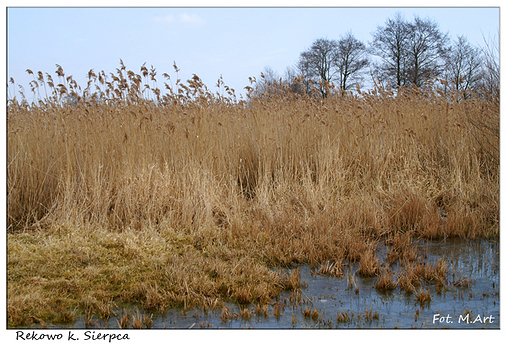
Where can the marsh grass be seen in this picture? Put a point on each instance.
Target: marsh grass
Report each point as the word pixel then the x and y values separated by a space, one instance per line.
pixel 123 320
pixel 369 265
pixel 262 310
pixel 245 314
pixel 385 281
pixel 463 282
pixel 278 309
pixel 307 312
pixel 370 314
pixel 334 269
pixel 345 317
pixel 190 199
pixel 225 316
pixel 423 296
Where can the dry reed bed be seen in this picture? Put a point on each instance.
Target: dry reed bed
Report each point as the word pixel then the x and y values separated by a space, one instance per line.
pixel 195 202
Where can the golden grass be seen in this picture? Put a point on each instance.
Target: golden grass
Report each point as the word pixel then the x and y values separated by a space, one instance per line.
pixel 278 309
pixel 385 281
pixel 413 273
pixel 369 265
pixel 198 198
pixel 463 282
pixel 226 315
pixel 334 269
pixel 311 313
pixel 423 296
pixel 370 314
pixel 262 310
pixel 307 312
pixel 345 317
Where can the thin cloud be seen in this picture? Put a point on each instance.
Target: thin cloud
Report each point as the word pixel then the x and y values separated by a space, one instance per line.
pixel 191 19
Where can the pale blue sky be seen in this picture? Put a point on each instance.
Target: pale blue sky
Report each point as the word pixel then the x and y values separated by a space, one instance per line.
pixel 236 43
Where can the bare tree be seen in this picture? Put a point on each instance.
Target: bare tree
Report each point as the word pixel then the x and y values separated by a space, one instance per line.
pixel 425 48
pixel 486 124
pixel 316 64
pixel 464 64
pixel 491 67
pixel 350 59
pixel 412 52
pixel 305 72
pixel 390 44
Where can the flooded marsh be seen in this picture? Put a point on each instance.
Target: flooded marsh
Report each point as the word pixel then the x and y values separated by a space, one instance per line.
pixel 337 305
pixel 469 299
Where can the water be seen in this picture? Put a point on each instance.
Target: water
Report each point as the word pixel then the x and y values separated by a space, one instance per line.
pixel 455 307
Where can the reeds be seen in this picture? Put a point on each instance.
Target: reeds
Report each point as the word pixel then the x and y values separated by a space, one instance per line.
pixel 369 265
pixel 385 281
pixel 334 269
pixel 423 296
pixel 311 313
pixel 187 198
pixel 345 317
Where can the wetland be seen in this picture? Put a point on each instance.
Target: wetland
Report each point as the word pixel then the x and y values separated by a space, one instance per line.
pixel 469 298
pixel 282 210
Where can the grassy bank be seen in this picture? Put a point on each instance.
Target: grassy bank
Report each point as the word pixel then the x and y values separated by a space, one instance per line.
pixel 203 200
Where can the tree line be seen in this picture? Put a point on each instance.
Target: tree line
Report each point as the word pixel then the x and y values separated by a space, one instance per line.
pixel 401 54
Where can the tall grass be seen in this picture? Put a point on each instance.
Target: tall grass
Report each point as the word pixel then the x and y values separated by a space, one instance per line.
pixel 280 179
pixel 379 163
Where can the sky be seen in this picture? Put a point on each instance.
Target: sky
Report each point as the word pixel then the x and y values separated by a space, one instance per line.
pixel 235 43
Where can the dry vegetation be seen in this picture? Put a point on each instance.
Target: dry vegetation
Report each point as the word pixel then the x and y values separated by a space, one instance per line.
pixel 197 198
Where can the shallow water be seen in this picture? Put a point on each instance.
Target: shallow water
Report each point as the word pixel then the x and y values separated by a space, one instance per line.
pixel 478 261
